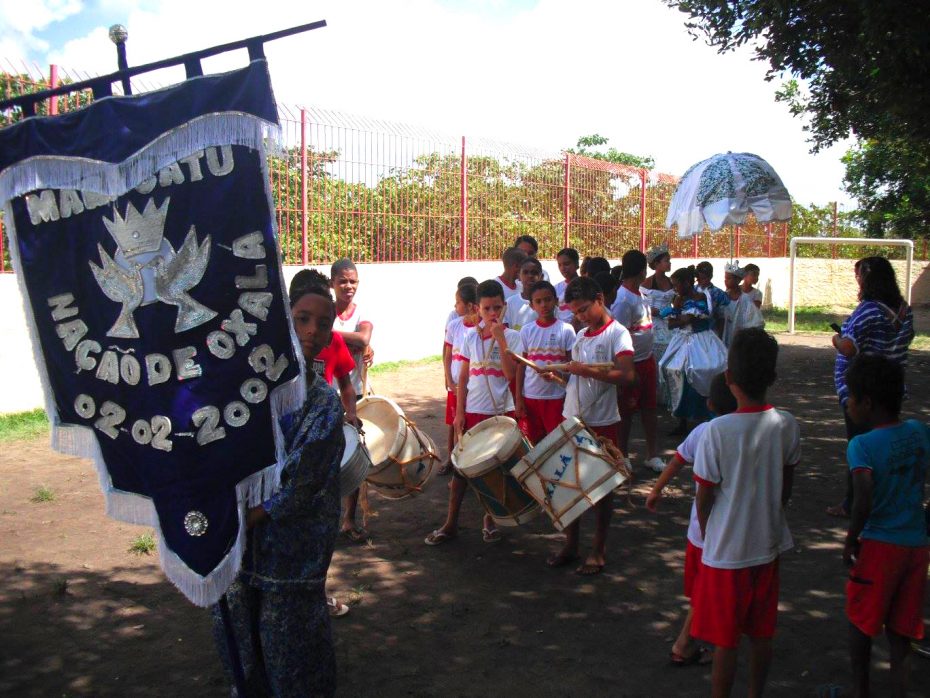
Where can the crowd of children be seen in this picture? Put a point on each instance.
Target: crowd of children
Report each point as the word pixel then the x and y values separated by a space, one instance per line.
pixel 702 352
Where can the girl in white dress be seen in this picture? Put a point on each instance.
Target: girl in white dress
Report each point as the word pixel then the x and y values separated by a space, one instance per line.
pixel 658 290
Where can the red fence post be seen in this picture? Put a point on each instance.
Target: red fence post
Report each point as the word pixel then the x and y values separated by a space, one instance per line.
pixel 2 257
pixel 567 201
pixel 784 240
pixel 739 235
pixel 642 210
pixel 463 214
pixel 305 250
pixel 694 245
pixel 53 83
pixel 768 240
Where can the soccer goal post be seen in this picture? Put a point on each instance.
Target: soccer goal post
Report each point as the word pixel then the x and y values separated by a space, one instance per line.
pixel 908 245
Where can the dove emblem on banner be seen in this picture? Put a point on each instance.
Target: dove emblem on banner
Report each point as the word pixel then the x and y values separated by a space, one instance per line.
pixel 122 286
pixel 146 269
pixel 173 279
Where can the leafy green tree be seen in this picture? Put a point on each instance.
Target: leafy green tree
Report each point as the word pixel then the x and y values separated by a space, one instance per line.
pixel 863 67
pixel 891 180
pixel 589 147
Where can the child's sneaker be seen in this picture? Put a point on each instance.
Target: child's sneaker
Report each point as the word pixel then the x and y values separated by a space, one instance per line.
pixel 656 464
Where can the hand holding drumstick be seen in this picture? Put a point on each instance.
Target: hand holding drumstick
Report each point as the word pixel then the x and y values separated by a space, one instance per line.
pixel 545 372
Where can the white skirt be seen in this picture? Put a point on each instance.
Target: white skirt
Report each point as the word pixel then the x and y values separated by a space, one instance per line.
pixel 692 357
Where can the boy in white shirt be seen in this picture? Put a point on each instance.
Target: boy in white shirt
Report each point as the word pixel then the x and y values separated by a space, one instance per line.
pixel 568 260
pixel 483 391
pixel 634 312
pixel 466 318
pixel 519 312
pixel 509 280
pixel 720 402
pixel 546 340
pixel 591 395
pixel 744 468
pixel 530 246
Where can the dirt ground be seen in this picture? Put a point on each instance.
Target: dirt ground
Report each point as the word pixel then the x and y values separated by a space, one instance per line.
pixel 80 615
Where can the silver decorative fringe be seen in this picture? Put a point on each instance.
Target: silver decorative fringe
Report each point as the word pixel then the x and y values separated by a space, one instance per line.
pixel 229 128
pixel 115 179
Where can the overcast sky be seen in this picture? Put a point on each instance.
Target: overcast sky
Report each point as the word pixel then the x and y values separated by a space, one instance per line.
pixel 539 73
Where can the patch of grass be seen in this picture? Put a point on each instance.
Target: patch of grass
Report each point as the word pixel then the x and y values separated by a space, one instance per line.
pixel 817 319
pixel 42 494
pixel 806 319
pixel 23 425
pixel 389 366
pixel 143 545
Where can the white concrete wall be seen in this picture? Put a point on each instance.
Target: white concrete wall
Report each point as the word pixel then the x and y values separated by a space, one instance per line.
pixel 408 304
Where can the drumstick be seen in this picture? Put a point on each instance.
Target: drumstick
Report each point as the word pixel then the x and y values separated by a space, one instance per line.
pixel 564 367
pixel 536 367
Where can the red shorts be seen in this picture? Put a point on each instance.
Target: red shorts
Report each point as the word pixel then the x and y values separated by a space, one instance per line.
pixel 641 396
pixel 731 603
pixel 451 400
pixel 608 431
pixel 886 589
pixel 542 417
pixel 693 567
pixel 473 418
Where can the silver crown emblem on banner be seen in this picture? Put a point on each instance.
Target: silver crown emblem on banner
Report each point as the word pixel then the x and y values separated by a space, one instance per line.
pixel 146 268
pixel 139 233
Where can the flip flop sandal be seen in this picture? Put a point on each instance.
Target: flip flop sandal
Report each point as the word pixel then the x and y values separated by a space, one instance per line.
pixel 356 535
pixel 490 535
pixel 336 609
pixel 587 570
pixel 557 561
pixel 700 656
pixel 438 537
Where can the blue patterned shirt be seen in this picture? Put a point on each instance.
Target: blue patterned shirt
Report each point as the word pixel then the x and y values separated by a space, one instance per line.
pixel 294 546
pixel 875 329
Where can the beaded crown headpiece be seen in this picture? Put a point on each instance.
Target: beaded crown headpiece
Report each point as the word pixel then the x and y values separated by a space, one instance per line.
pixel 734 268
pixel 656 252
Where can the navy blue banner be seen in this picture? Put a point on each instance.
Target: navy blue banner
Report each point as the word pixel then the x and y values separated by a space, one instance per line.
pixel 158 306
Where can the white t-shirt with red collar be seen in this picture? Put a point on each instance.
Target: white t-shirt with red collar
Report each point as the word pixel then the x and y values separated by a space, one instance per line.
pixel 518 312
pixel 509 290
pixel 632 311
pixel 686 451
pixel 593 400
pixel 488 387
pixel 456 331
pixel 544 345
pixel 742 455
pixel 564 312
pixel 351 323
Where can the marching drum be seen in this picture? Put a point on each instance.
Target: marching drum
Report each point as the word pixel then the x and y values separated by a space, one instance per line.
pixel 569 472
pixel 356 462
pixel 484 456
pixel 403 456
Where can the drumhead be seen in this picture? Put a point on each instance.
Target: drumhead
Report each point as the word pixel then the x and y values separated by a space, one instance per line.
pixel 486 444
pixel 384 426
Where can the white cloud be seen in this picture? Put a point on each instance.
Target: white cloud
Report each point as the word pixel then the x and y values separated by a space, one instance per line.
pixel 21 20
pixel 541 76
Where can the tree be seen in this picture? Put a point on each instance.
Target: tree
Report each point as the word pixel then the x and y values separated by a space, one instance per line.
pixel 857 68
pixel 891 180
pixel 867 64
pixel 586 145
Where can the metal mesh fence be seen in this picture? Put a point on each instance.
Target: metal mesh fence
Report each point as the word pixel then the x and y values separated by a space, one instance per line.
pixel 378 191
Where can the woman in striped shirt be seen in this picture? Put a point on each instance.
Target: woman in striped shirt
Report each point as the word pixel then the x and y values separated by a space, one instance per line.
pixel 882 324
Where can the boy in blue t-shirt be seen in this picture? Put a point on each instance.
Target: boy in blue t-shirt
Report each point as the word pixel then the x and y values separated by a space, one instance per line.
pixel 887 544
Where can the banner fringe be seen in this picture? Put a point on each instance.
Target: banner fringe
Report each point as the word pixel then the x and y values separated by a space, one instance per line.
pixel 229 128
pixel 115 179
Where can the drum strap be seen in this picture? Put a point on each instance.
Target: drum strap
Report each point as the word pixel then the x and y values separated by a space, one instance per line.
pixel 487 381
